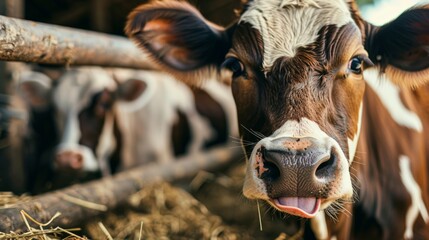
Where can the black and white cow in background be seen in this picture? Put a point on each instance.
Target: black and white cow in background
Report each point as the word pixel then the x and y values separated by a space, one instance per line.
pixel 115 119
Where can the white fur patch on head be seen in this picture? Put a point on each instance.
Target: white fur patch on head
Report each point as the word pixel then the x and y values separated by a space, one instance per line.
pixel 77 86
pixel 286 25
pixel 417 204
pixel 388 93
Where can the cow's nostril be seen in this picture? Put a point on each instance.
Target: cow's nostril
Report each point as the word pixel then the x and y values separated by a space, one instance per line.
pixel 272 173
pixel 326 167
pixel 269 171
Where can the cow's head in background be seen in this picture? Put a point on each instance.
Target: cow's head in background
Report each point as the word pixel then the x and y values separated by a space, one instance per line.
pixel 84 101
pixel 297 69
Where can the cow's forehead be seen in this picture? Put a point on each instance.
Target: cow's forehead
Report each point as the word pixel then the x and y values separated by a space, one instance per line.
pixel 77 87
pixel 286 25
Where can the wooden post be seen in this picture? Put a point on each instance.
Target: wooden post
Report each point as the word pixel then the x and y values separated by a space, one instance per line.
pixel 11 168
pixel 3 80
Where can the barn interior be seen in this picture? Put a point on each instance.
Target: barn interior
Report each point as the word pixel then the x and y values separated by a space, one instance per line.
pixel 208 205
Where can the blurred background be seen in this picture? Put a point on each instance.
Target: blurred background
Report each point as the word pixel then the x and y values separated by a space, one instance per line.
pixel 382 11
pixel 109 15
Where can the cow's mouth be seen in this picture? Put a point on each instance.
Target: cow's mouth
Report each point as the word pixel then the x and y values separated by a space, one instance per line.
pixel 306 207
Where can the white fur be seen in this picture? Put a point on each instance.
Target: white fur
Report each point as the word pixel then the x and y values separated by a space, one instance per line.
pixel 70 142
pixel 145 123
pixel 77 86
pixel 126 74
pixel 150 127
pixel 352 143
pixel 254 187
pixel 73 93
pixel 319 226
pixel 417 204
pixel 106 144
pixel 389 96
pixel 286 25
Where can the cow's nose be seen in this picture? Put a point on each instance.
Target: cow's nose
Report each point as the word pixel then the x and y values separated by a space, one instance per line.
pixel 297 167
pixel 69 160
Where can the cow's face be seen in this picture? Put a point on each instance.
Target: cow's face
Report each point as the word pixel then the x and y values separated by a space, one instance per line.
pixel 84 100
pixel 298 89
pixel 297 81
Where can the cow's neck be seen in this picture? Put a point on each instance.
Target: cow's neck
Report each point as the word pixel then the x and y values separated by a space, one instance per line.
pixel 387 114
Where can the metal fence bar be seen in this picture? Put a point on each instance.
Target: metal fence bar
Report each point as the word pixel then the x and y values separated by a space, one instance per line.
pixel 28 41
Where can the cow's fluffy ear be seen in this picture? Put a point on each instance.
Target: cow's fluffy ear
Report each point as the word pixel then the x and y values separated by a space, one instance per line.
pixel 35 89
pixel 401 48
pixel 178 37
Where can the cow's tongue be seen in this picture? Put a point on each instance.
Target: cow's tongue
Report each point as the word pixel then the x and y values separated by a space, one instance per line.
pixel 299 206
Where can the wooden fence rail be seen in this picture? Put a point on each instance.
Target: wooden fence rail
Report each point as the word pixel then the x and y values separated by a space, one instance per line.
pixel 27 41
pixel 107 193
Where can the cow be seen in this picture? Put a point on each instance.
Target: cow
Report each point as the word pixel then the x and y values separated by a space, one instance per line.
pixel 332 109
pixel 112 120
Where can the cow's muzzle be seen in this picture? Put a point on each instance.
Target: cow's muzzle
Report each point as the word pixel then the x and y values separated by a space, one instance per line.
pixel 298 173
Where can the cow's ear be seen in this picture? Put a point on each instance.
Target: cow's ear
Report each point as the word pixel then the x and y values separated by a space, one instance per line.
pixel 178 37
pixel 130 90
pixel 401 48
pixel 34 88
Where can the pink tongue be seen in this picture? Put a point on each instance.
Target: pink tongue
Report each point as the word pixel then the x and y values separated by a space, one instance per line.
pixel 304 207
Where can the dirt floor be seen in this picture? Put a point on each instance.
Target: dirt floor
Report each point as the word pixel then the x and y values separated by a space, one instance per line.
pixel 210 206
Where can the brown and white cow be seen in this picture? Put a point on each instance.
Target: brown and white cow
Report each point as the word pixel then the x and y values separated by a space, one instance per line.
pixel 324 140
pixel 116 119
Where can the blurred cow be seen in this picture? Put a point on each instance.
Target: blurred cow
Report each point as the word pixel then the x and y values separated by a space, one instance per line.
pixel 117 119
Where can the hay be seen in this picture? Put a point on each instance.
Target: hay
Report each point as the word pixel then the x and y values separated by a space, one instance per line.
pixel 164 212
pixel 42 233
pixel 7 199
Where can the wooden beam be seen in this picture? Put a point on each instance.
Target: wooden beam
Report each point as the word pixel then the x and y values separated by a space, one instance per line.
pixel 85 201
pixel 27 41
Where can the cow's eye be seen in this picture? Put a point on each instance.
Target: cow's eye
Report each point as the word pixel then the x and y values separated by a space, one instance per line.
pixel 235 66
pixel 355 65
